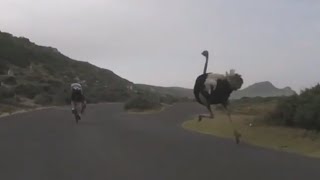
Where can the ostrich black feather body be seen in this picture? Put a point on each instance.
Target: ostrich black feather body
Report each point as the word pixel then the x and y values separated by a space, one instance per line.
pixel 219 95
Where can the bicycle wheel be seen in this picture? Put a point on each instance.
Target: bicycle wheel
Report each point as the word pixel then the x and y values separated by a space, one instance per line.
pixel 76 113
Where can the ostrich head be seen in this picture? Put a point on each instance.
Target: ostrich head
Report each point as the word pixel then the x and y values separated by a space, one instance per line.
pixel 234 79
pixel 205 53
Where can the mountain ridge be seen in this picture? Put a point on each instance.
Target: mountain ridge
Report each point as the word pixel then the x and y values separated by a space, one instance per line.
pixel 262 89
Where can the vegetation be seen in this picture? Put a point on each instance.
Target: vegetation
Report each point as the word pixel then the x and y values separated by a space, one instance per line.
pixel 43 75
pixel 142 102
pixel 298 110
pixel 7 109
pixel 43 99
pixel 6 93
pixel 171 91
pixel 146 100
pixel 254 106
pixel 284 123
pixel 280 138
pixel 10 80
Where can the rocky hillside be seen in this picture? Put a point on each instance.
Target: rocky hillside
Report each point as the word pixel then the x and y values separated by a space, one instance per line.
pixel 262 89
pixel 42 75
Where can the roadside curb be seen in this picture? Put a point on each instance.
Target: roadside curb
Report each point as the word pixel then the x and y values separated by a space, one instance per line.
pixel 25 111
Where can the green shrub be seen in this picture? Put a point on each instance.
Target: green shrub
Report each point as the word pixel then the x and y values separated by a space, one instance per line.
pixel 6 93
pixel 299 110
pixel 168 99
pixel 109 94
pixel 254 100
pixel 8 109
pixel 3 67
pixel 143 102
pixel 307 115
pixel 61 98
pixel 28 90
pixel 10 101
pixel 10 80
pixel 43 99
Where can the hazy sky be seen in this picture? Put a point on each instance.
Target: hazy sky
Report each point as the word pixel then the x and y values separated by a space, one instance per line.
pixel 159 41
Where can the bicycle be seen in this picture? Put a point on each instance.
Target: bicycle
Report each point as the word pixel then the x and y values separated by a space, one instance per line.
pixel 78 110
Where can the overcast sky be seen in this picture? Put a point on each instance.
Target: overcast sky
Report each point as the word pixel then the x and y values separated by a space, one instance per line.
pixel 159 42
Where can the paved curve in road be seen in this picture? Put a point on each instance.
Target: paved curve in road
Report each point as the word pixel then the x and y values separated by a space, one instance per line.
pixel 111 144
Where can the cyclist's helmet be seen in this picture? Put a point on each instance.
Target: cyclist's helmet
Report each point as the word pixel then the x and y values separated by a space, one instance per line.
pixel 76 87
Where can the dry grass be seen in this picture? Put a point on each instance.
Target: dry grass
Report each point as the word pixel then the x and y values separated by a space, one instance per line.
pixel 280 138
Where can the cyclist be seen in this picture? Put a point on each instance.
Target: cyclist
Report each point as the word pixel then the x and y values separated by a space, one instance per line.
pixel 77 97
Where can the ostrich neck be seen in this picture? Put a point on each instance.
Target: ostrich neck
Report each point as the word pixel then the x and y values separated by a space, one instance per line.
pixel 206 66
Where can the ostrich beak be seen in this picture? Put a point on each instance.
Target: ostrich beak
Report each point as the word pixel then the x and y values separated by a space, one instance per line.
pixel 205 53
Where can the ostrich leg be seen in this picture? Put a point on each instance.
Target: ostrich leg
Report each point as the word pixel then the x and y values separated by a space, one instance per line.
pixel 211 115
pixel 236 134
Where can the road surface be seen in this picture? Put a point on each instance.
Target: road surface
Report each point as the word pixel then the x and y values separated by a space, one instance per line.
pixel 111 144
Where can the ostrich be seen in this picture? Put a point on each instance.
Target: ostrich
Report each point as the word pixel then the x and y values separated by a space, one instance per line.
pixel 212 89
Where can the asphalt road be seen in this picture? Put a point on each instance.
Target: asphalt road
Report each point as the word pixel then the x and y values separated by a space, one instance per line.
pixel 111 144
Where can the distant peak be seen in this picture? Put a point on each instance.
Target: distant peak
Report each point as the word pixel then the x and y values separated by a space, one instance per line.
pixel 263 89
pixel 264 83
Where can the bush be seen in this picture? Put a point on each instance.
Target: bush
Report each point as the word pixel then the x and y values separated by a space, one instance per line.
pixel 10 101
pixel 28 90
pixel 8 109
pixel 3 67
pixel 61 98
pixel 254 100
pixel 102 94
pixel 308 115
pixel 143 102
pixel 10 80
pixel 299 110
pixel 285 110
pixel 43 99
pixel 168 99
pixel 6 93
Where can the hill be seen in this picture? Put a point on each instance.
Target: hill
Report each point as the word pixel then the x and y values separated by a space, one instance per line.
pixel 262 89
pixel 42 75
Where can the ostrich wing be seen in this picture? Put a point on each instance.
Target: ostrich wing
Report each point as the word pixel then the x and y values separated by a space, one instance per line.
pixel 211 81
